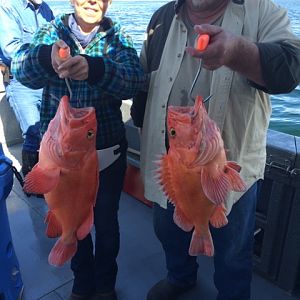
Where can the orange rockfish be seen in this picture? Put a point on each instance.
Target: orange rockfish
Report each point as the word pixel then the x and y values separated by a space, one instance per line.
pixel 67 174
pixel 195 174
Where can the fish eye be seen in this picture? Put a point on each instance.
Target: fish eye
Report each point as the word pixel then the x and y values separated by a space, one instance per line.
pixel 172 132
pixel 90 134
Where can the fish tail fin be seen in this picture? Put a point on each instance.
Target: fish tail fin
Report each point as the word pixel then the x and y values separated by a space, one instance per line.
pixel 201 243
pixel 232 172
pixel 61 253
pixel 218 218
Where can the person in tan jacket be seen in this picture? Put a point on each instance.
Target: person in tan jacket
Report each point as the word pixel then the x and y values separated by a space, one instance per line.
pixel 252 53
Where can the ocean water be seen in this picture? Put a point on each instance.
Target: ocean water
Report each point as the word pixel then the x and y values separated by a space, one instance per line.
pixel 134 15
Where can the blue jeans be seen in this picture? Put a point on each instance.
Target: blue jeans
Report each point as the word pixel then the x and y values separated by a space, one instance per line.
pixel 97 270
pixel 26 104
pixel 233 249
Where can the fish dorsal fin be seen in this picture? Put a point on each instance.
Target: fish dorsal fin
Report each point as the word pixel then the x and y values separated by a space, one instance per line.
pixel 164 178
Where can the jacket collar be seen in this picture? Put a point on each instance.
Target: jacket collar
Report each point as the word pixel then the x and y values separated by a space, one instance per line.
pixel 178 4
pixel 27 3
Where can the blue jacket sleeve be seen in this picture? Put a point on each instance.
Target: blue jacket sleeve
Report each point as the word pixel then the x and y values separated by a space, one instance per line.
pixel 18 25
pixel 31 65
pixel 10 33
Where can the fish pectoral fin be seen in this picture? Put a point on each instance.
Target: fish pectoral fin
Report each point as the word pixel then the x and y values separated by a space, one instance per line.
pixel 62 252
pixel 181 220
pixel 215 188
pixel 201 243
pixel 41 181
pixel 234 165
pixel 237 183
pixel 218 218
pixel 86 226
pixel 54 228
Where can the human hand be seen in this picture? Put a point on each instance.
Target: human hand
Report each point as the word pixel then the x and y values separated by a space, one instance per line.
pixel 67 66
pixel 56 55
pixel 75 67
pixel 3 68
pixel 221 49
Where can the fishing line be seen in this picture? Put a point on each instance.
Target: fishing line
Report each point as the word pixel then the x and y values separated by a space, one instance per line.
pixel 201 44
pixel 69 88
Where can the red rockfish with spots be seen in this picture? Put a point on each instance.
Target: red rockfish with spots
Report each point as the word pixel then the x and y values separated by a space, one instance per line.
pixel 67 174
pixel 195 174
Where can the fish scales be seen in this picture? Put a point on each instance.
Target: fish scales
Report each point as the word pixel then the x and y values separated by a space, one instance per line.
pixel 67 173
pixel 195 174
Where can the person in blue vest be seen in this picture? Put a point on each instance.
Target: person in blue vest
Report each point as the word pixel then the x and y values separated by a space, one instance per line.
pixel 252 53
pixel 19 20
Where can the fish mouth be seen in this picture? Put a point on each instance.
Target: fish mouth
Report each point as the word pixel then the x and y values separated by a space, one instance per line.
pixel 76 117
pixel 186 113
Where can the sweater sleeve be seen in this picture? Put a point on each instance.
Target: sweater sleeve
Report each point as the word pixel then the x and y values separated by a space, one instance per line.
pixel 137 110
pixel 280 63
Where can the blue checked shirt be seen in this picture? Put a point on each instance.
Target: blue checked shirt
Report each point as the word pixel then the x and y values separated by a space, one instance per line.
pixel 19 20
pixel 114 74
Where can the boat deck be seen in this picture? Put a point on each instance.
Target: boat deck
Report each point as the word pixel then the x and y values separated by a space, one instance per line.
pixel 141 259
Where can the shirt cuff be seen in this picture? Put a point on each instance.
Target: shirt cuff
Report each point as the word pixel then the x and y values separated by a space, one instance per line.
pixel 44 57
pixel 96 68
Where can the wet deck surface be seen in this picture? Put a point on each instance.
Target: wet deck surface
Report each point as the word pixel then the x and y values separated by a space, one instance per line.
pixel 141 259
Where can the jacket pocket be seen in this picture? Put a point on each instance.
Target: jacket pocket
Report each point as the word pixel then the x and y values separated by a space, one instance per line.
pixel 28 33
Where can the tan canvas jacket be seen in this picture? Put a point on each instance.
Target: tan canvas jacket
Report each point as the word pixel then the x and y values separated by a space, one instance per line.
pixel 241 111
